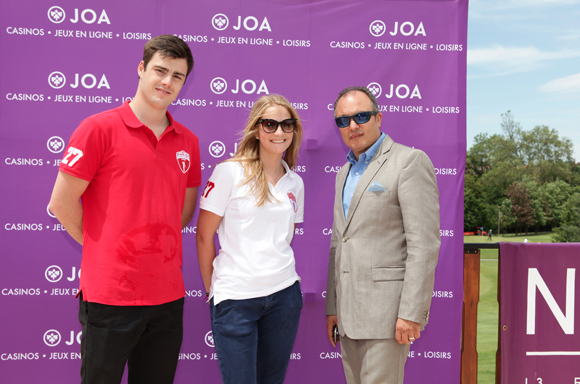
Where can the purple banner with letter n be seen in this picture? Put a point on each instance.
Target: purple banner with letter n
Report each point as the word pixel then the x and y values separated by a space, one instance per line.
pixel 540 342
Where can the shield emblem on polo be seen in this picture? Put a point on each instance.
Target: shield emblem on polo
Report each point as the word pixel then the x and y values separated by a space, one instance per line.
pixel 183 161
pixel 293 201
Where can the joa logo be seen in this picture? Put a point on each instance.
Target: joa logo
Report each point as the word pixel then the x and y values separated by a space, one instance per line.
pixel 217 148
pixel 219 85
pixel 209 339
pixel 220 21
pixel 51 337
pixel 401 91
pixel 57 80
pixel 249 23
pixel 88 16
pixel 55 144
pixel 53 273
pixel 378 28
pixel 376 89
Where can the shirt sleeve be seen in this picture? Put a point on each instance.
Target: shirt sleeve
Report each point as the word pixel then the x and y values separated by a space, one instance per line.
pixel 216 194
pixel 85 151
pixel 299 218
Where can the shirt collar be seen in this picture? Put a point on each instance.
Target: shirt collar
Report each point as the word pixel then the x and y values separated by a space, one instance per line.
pixel 369 153
pixel 285 165
pixel 133 122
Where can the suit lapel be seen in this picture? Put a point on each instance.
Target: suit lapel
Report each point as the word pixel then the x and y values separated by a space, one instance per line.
pixel 341 179
pixel 368 176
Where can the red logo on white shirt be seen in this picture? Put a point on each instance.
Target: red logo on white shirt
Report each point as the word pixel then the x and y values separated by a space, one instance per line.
pixel 208 187
pixel 183 161
pixel 293 201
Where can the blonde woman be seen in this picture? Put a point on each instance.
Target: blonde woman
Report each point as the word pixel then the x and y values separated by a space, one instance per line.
pixel 255 200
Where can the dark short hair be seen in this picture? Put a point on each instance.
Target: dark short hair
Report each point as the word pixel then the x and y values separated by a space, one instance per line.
pixel 364 90
pixel 168 46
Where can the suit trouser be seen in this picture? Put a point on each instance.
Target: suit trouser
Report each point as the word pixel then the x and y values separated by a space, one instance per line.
pixel 146 338
pixel 373 361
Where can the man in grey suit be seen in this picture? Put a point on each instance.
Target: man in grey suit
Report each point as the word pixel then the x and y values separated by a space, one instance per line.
pixel 384 247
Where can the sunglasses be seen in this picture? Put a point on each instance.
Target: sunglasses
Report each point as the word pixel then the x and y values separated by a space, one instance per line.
pixel 271 126
pixel 359 118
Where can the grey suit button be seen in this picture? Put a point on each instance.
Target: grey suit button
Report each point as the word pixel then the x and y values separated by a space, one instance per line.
pixel 344 239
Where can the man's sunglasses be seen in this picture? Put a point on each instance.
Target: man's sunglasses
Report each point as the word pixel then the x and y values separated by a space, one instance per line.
pixel 270 125
pixel 359 118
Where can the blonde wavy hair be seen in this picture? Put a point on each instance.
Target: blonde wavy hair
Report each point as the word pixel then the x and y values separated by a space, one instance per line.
pixel 248 153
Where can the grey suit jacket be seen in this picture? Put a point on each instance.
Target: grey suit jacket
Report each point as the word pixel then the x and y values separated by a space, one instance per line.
pixel 383 255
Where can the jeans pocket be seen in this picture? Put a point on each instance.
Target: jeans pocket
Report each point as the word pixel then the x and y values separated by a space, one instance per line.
pixel 300 296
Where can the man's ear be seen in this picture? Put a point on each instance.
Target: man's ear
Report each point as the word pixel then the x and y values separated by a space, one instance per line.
pixel 141 69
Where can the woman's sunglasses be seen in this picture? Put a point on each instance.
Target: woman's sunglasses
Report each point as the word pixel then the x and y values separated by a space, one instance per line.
pixel 270 125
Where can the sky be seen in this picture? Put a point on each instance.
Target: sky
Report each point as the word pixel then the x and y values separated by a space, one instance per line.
pixel 524 56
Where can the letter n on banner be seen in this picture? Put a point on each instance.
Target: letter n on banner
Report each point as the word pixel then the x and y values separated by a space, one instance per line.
pixel 538 313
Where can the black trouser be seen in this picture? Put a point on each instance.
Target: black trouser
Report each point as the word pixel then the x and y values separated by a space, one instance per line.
pixel 146 338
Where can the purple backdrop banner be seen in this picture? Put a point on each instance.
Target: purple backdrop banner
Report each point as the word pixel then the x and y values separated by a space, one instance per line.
pixel 540 342
pixel 63 61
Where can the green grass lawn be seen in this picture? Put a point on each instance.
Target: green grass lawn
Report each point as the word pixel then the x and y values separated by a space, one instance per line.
pixel 488 309
pixel 487 321
pixel 492 253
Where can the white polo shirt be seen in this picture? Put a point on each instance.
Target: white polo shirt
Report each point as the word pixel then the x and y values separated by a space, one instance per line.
pixel 255 258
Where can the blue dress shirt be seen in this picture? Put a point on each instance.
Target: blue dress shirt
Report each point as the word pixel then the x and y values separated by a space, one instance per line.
pixel 356 171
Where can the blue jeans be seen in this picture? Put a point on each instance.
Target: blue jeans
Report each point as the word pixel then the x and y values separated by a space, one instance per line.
pixel 254 337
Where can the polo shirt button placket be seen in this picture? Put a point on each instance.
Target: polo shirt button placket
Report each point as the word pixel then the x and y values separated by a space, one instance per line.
pixel 152 140
pixel 158 151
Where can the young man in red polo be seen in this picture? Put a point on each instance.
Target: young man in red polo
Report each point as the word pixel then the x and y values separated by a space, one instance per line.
pixel 137 173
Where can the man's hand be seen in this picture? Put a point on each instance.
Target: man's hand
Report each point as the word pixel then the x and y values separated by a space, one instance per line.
pixel 331 321
pixel 406 331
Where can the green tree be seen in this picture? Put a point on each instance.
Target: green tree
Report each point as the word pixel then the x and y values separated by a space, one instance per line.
pixel 538 201
pixel 542 144
pixel 496 181
pixel 506 217
pixel 513 135
pixel 484 152
pixel 477 211
pixel 566 234
pixel 569 230
pixel 556 194
pixel 474 212
pixel 489 151
pixel 575 175
pixel 549 171
pixel 539 160
pixel 571 211
pixel 522 210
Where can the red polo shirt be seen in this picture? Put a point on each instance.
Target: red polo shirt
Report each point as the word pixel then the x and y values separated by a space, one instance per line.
pixel 132 206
